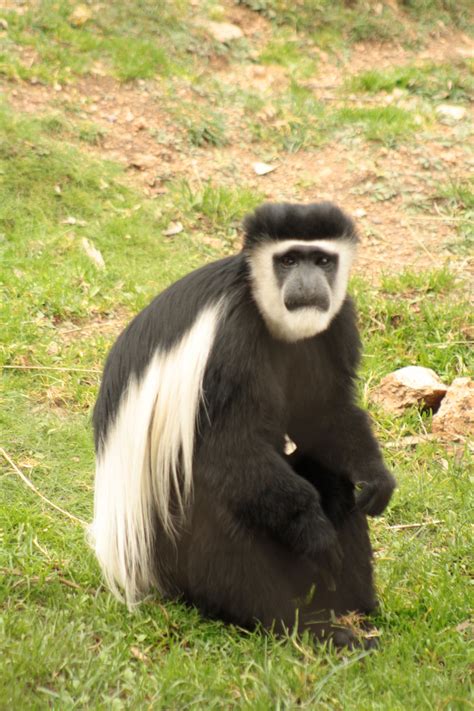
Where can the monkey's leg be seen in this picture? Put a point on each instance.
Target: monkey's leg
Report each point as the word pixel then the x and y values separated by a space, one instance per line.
pixel 354 581
pixel 231 573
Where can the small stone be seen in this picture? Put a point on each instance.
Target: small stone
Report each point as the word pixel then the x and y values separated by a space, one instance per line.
pixel 263 168
pixel 93 253
pixel 222 31
pixel 407 387
pixel 450 113
pixel 80 15
pixel 174 228
pixel 397 93
pixel 53 348
pixel 360 212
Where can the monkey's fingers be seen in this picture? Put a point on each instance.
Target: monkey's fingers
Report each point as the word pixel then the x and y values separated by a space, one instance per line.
pixel 374 496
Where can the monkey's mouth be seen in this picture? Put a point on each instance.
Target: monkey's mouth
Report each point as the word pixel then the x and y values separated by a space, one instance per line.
pixel 319 302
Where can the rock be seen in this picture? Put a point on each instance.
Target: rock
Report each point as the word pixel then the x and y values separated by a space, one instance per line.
pixel 174 228
pixel 263 168
pixel 53 348
pixel 222 31
pixel 93 253
pixel 409 386
pixel 451 113
pixel 455 417
pixel 80 15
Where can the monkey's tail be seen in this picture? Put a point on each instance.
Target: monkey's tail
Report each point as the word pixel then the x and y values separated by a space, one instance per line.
pixel 146 460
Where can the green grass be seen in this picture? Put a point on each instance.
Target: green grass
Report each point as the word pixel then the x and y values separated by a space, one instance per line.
pixel 386 124
pixel 327 20
pixel 206 128
pixel 299 120
pixel 65 642
pixel 455 200
pixel 441 82
pixel 85 131
pixel 220 205
pixel 336 23
pixel 296 54
pixel 457 12
pixel 418 319
pixel 130 43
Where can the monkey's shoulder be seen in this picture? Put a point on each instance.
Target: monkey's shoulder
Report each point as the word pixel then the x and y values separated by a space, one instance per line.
pixel 174 311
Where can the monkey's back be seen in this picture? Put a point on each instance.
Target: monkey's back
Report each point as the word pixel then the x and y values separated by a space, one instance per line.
pixel 158 327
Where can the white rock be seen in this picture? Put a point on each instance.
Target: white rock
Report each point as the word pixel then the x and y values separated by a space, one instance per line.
pixel 263 168
pixel 93 253
pixel 409 386
pixel 222 31
pixel 174 228
pixel 453 113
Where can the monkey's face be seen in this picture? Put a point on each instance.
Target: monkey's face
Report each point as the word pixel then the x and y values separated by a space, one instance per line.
pixel 300 285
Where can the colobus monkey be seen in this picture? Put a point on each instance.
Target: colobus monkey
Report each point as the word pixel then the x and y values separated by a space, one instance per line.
pixel 194 494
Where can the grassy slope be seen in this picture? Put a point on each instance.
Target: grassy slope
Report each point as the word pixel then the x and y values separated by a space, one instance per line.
pixel 64 642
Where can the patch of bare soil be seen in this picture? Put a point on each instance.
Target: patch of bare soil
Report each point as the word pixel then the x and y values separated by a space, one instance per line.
pixel 445 47
pixel 377 185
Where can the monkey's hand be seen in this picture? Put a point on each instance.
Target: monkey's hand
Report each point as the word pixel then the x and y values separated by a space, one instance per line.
pixel 312 534
pixel 373 496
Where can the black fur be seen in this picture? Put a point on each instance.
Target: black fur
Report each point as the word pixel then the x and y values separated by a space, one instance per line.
pixel 263 530
pixel 287 221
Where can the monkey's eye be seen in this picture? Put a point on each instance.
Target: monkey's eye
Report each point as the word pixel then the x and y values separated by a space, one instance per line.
pixel 288 260
pixel 322 261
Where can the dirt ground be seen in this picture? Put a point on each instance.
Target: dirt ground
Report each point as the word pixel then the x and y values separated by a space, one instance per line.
pixel 376 184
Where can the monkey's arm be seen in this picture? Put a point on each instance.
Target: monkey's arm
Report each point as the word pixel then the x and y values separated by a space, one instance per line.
pixel 344 443
pixel 262 492
pixel 338 435
pixel 326 423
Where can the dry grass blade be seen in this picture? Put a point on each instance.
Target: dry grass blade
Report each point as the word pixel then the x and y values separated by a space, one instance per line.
pixel 33 488
pixel 36 578
pixel 403 526
pixel 52 367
